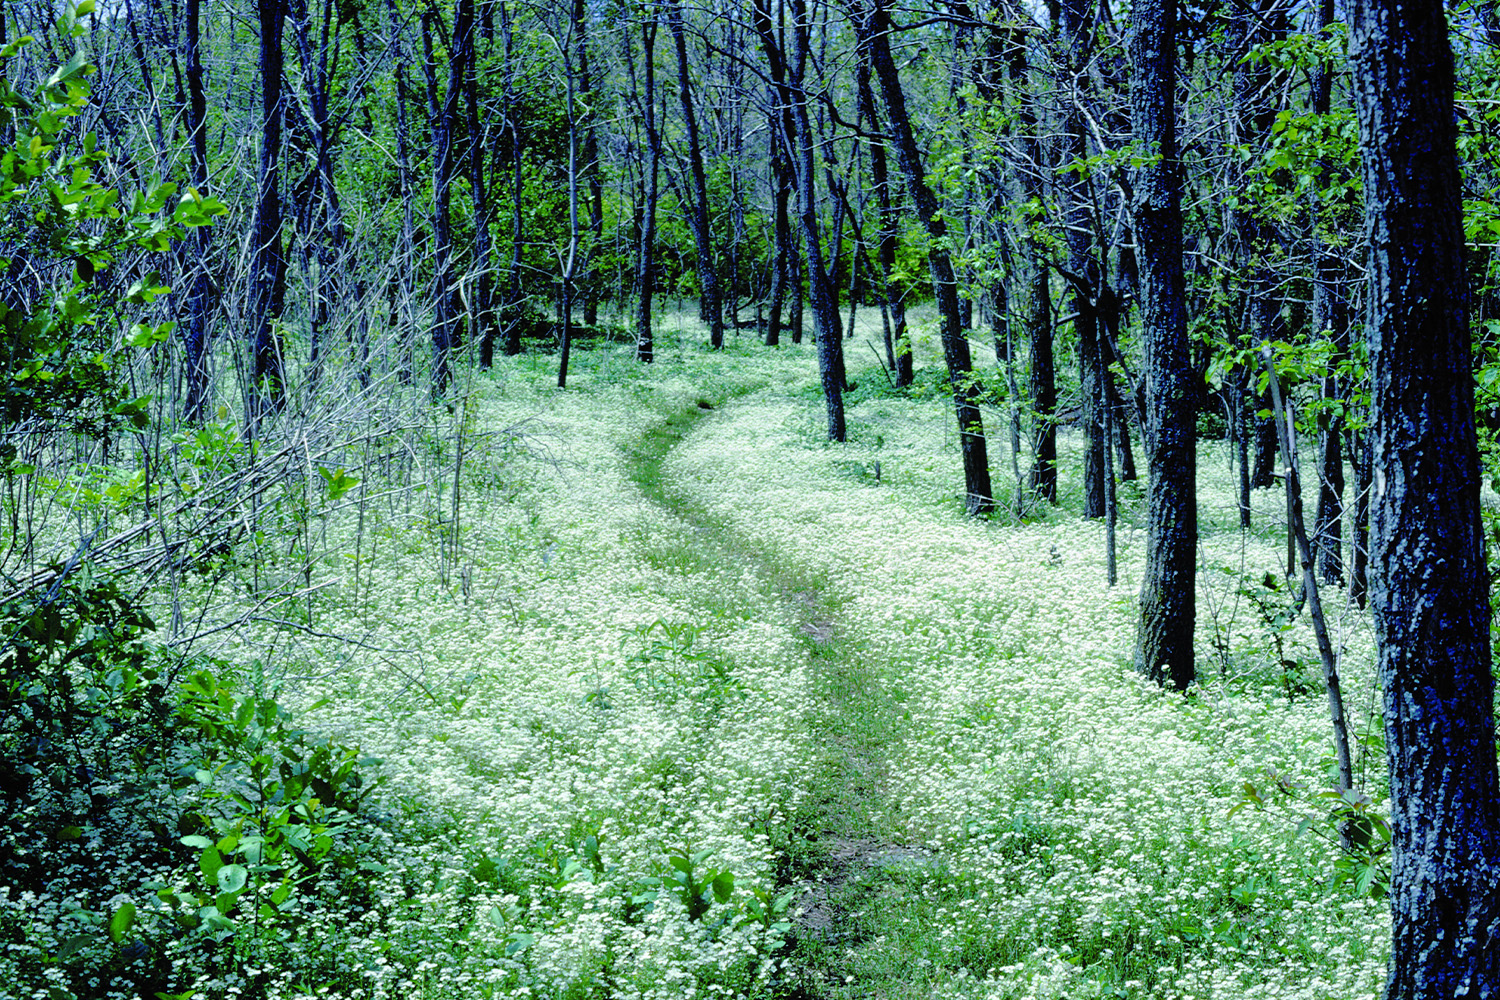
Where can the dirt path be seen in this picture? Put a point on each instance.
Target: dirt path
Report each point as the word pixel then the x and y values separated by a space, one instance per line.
pixel 833 863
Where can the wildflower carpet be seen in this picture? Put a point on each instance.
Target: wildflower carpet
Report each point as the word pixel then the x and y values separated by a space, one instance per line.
pixel 673 699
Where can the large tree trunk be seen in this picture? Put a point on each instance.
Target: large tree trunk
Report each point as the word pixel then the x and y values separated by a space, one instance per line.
pixel 874 27
pixel 267 390
pixel 1430 585
pixel 783 247
pixel 709 306
pixel 1169 586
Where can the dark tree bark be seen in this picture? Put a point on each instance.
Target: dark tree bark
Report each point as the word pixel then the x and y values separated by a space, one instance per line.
pixel 321 131
pixel 267 292
pixel 513 308
pixel 447 311
pixel 645 273
pixel 1330 319
pixel 484 319
pixel 1430 585
pixel 873 26
pixel 709 307
pixel 796 127
pixel 589 154
pixel 402 315
pixel 1042 479
pixel 783 246
pixel 1085 274
pixel 1169 586
pixel 899 346
pixel 200 299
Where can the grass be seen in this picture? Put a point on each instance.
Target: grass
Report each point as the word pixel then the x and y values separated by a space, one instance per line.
pixel 668 639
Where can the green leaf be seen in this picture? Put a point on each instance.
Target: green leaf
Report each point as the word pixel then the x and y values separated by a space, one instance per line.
pixel 210 862
pixel 120 923
pixel 232 878
pixel 73 67
pixel 73 945
pixel 723 886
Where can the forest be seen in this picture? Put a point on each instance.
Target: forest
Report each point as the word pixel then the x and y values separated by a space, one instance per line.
pixel 777 499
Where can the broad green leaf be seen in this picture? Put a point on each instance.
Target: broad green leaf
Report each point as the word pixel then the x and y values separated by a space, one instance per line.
pixel 120 923
pixel 232 878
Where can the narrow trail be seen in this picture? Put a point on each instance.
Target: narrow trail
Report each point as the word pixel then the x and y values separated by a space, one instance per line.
pixel 833 860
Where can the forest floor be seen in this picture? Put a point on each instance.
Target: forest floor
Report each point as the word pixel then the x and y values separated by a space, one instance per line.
pixel 676 699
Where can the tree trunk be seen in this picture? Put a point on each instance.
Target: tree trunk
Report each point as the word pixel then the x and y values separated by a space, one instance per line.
pixel 709 305
pixel 1083 264
pixel 1169 586
pixel 590 167
pixel 886 240
pixel 1430 585
pixel 645 273
pixel 783 246
pixel 446 310
pixel 200 299
pixel 513 310
pixel 1330 319
pixel 796 128
pixel 267 293
pixel 321 128
pixel 1043 480
pixel 873 27
pixel 484 320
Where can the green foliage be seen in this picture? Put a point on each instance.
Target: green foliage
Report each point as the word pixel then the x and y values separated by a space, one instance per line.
pixel 1345 819
pixel 672 660
pixel 96 746
pixel 59 362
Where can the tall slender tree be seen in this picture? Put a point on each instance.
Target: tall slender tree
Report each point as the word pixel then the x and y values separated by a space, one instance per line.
pixel 710 306
pixel 1164 650
pixel 267 390
pixel 200 299
pixel 873 25
pixel 645 274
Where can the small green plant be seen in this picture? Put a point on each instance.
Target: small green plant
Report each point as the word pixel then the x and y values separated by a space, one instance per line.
pixel 698 886
pixel 276 800
pixel 1278 613
pixel 672 658
pixel 1339 817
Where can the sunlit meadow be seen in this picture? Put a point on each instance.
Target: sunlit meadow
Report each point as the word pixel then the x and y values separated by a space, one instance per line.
pixel 753 715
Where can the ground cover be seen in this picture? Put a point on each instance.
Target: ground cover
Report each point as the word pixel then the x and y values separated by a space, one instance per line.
pixel 674 699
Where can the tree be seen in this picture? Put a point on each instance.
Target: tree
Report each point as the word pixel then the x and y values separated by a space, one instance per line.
pixel 788 76
pixel 1429 582
pixel 874 26
pixel 443 114
pixel 1164 651
pixel 267 390
pixel 711 309
pixel 200 298
pixel 645 274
